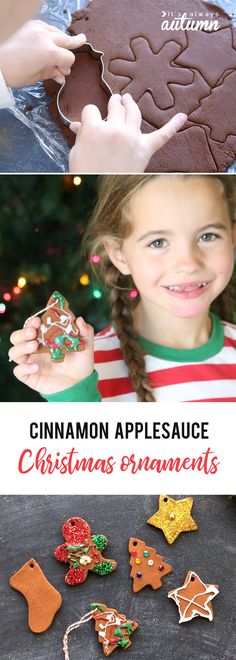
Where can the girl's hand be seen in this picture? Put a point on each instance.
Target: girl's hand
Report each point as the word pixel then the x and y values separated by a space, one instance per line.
pixel 117 144
pixel 39 371
pixel 36 52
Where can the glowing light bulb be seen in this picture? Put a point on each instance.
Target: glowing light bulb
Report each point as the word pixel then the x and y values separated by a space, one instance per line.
pixel 2 308
pixel 7 297
pixel 21 282
pixel 97 293
pixel 134 293
pixel 84 279
pixel 95 259
pixel 77 180
pixel 16 290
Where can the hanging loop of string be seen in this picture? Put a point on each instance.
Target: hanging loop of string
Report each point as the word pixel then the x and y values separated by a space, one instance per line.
pixel 72 627
pixel 40 312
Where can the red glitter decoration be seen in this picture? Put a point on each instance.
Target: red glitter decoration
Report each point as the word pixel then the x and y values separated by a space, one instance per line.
pixel 76 530
pixel 75 576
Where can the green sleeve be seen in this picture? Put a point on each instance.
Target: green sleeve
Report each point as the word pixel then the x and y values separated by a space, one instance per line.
pixel 85 391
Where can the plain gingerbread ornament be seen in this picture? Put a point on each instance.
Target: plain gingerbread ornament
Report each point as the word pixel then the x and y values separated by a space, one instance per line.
pixel 147 567
pixel 43 600
pixel 173 517
pixel 82 551
pixel 194 598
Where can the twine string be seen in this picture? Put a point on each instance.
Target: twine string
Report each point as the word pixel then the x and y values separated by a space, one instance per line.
pixel 40 312
pixel 72 627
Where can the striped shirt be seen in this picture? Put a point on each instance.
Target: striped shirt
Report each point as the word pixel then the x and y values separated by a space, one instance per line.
pixel 206 373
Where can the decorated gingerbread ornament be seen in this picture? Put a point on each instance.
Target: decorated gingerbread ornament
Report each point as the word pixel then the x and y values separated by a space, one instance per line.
pixel 82 551
pixel 113 628
pixel 173 517
pixel 43 600
pixel 58 333
pixel 194 598
pixel 147 567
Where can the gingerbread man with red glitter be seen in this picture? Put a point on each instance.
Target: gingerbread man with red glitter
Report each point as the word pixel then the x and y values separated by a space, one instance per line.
pixel 82 551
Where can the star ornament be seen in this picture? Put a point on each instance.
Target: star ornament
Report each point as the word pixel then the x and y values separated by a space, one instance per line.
pixel 173 517
pixel 194 598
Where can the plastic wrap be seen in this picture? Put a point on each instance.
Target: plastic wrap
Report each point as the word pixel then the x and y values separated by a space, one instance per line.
pixel 32 102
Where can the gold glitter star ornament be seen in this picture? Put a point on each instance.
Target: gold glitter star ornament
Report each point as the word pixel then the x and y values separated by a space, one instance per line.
pixel 173 517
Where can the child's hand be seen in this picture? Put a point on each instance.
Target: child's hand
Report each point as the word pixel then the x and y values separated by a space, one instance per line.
pixel 117 144
pixel 36 52
pixel 39 371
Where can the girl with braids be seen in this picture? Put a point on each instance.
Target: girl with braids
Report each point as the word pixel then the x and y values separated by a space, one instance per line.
pixel 164 248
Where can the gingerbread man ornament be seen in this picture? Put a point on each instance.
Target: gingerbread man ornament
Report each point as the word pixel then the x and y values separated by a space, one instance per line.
pixel 82 551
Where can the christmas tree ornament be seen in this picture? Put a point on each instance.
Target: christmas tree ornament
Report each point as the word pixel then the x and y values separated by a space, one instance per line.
pixel 82 551
pixel 147 567
pixel 173 517
pixel 194 598
pixel 113 628
pixel 58 332
pixel 43 600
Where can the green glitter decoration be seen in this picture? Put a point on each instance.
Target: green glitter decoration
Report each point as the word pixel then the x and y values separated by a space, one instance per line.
pixel 104 568
pixel 56 353
pixel 100 541
pixel 123 642
pixel 59 298
pixel 118 632
pixel 97 606
pixel 127 625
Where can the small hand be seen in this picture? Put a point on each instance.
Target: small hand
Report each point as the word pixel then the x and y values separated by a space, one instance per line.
pixel 39 371
pixel 36 52
pixel 117 144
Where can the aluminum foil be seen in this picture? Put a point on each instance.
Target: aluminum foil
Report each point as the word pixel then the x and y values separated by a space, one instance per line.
pixel 32 102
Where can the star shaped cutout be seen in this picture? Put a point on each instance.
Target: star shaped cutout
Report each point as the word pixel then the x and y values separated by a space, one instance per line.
pixel 142 71
pixel 173 517
pixel 194 598
pixel 215 48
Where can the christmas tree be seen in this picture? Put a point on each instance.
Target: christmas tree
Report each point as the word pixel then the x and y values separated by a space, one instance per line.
pixel 113 628
pixel 147 567
pixel 43 219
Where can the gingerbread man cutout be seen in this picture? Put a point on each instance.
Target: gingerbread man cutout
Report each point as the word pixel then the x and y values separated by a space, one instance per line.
pixel 82 551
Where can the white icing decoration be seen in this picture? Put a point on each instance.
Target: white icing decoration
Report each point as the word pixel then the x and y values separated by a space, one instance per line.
pixel 112 620
pixel 212 590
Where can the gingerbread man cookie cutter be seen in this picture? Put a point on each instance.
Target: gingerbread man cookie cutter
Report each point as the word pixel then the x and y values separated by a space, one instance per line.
pixel 95 55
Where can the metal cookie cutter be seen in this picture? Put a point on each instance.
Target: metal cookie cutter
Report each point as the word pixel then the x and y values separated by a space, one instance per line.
pixel 96 55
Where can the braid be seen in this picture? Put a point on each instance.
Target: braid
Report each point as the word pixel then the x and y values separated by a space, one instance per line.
pixel 121 308
pixel 224 305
